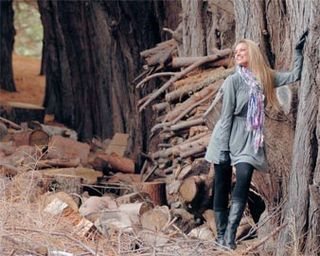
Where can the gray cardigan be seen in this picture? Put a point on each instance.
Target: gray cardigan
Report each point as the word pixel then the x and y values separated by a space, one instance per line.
pixel 230 132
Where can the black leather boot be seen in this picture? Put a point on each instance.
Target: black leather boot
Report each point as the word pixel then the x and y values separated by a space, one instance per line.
pixel 235 215
pixel 221 219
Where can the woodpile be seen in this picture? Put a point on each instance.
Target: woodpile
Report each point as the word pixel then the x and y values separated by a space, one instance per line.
pixel 96 189
pixel 187 105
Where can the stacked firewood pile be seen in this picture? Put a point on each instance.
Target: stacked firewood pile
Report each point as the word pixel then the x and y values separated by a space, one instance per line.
pixel 187 106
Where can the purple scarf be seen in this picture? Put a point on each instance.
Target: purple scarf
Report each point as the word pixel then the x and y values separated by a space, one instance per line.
pixel 255 113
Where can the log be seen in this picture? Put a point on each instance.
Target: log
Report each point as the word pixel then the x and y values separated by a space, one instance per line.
pixel 113 161
pixel 92 207
pixel 85 175
pixel 21 112
pixel 32 138
pixel 54 130
pixel 181 62
pixel 60 162
pixel 190 187
pixel 202 232
pixel 134 210
pixel 185 220
pixel 160 106
pixel 186 124
pixel 156 219
pixel 156 190
pixel 61 147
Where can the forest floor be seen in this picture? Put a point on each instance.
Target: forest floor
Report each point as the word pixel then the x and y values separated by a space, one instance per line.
pixel 29 84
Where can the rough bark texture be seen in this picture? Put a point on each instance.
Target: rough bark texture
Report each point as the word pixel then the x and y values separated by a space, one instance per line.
pixel 7 33
pixel 92 58
pixel 279 128
pixel 206 25
pixel 301 209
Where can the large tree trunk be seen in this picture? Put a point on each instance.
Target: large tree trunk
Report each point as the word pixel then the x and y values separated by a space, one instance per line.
pixel 7 33
pixel 93 55
pixel 301 212
pixel 293 176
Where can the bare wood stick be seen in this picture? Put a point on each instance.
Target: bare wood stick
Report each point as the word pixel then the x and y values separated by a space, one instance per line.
pixel 179 75
pixel 193 151
pixel 186 124
pixel 12 124
pixel 153 76
pixel 179 62
pixel 160 106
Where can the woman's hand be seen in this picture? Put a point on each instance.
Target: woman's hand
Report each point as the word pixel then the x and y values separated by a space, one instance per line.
pixel 302 40
pixel 224 157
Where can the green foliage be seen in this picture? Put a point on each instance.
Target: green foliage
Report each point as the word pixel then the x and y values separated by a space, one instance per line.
pixel 29 30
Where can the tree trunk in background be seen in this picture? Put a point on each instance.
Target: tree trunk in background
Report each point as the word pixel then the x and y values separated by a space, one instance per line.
pixel 206 25
pixel 7 33
pixel 193 32
pixel 93 55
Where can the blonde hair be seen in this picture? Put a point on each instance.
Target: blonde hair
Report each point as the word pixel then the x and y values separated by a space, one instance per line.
pixel 261 69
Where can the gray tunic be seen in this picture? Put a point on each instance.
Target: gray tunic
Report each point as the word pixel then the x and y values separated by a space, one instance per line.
pixel 230 132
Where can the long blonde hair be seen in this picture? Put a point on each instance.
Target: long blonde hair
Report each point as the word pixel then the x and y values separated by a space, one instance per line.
pixel 261 69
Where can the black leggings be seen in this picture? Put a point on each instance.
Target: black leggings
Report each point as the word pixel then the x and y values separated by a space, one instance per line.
pixel 222 184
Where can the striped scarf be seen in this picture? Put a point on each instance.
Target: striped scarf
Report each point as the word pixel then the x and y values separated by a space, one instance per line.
pixel 255 112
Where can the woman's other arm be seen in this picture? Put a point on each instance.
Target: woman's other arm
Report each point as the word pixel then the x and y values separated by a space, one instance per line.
pixel 283 78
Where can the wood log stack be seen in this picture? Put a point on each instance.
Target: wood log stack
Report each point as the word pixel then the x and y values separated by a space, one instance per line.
pixel 187 106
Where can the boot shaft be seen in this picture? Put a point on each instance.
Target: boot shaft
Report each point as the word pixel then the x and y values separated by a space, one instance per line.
pixel 235 215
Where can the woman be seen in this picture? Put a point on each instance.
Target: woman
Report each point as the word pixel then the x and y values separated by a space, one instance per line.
pixel 237 138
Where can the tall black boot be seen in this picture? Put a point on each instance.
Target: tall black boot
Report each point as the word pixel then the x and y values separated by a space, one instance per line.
pixel 221 219
pixel 235 215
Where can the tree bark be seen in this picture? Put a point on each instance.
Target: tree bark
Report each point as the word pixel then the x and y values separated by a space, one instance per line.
pixel 89 70
pixel 301 207
pixel 7 33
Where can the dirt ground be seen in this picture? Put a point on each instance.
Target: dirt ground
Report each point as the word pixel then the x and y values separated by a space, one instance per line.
pixel 29 84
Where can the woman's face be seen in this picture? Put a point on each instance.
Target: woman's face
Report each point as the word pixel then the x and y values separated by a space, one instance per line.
pixel 241 55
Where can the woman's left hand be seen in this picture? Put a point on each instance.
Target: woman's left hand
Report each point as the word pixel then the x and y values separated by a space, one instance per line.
pixel 302 40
